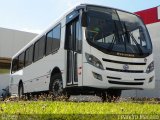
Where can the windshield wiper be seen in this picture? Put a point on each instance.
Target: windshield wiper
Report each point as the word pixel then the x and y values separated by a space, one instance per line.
pixel 114 37
pixel 129 34
pixel 112 44
pixel 135 41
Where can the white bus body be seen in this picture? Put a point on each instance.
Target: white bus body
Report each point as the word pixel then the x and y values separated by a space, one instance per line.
pixel 84 60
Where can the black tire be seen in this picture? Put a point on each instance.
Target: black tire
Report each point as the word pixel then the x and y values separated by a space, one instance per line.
pixel 20 90
pixel 113 95
pixel 66 95
pixel 56 85
pixel 103 97
pixel 28 96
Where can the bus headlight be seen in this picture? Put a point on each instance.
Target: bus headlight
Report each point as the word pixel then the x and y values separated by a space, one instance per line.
pixel 94 61
pixel 150 67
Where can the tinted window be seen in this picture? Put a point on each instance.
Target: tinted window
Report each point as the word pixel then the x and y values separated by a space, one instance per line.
pixel 14 64
pixel 39 49
pixel 30 59
pixel 56 38
pixel 36 45
pixel 29 56
pixel 113 31
pixel 78 42
pixel 21 61
pixel 49 42
pixel 53 40
pixel 73 36
pixel 69 37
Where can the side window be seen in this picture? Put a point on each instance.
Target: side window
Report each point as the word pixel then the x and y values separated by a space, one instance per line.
pixel 26 57
pixel 78 42
pixel 69 37
pixel 74 36
pixel 29 56
pixel 53 40
pixel 36 45
pixel 49 42
pixel 14 64
pixel 39 49
pixel 21 61
pixel 56 38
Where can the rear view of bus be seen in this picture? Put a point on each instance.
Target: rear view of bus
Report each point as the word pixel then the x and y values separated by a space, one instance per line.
pixel 118 51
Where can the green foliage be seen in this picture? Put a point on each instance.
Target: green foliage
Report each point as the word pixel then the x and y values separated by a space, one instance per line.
pixel 73 110
pixel 3 71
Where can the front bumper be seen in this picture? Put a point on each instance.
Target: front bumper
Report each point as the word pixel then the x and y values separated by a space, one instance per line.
pixel 119 80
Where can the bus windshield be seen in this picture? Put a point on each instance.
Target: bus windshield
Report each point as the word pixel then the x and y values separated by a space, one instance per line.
pixel 117 31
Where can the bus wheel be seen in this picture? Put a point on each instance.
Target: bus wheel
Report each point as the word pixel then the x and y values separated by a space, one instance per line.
pixel 20 90
pixel 66 95
pixel 103 96
pixel 56 86
pixel 113 95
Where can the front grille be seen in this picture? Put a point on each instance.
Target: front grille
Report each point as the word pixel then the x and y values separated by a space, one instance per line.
pixel 128 71
pixel 122 62
pixel 125 83
pixel 141 79
pixel 113 78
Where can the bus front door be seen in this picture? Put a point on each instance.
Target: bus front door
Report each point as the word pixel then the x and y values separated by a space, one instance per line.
pixel 74 55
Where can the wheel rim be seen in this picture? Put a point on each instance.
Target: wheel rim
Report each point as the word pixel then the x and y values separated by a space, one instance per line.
pixel 57 88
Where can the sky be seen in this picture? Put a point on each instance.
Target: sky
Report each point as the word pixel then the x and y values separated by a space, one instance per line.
pixel 36 15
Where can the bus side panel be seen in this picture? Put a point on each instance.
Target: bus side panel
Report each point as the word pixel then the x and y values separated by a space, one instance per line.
pixel 37 76
pixel 13 87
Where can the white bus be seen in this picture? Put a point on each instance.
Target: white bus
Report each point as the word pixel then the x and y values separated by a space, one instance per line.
pixel 91 50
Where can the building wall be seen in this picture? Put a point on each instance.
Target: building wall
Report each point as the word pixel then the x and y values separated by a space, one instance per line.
pixel 159 12
pixel 150 16
pixel 4 79
pixel 11 41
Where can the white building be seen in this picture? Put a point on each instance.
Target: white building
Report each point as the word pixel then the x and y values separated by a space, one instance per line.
pixel 11 41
